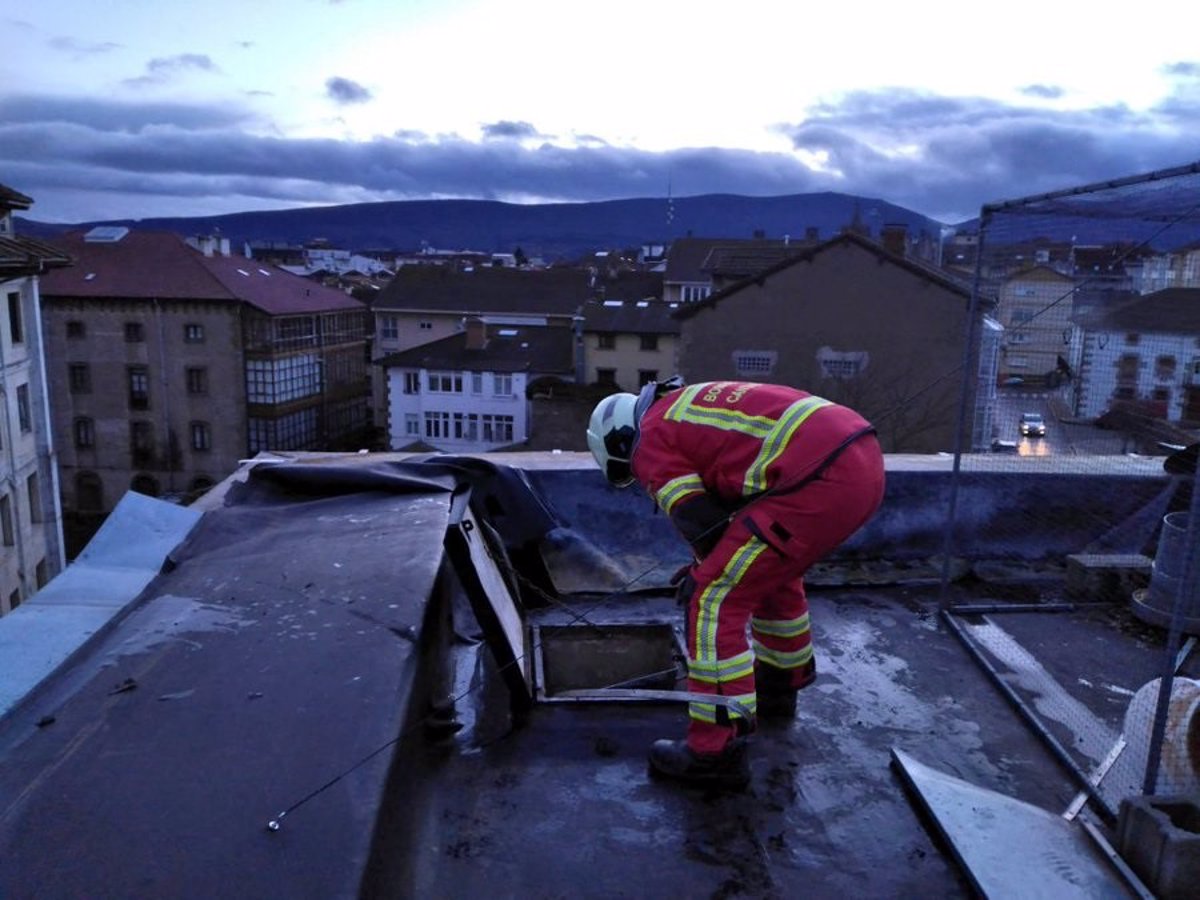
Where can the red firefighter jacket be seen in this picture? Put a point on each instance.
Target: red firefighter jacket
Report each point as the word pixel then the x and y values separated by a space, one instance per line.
pixel 706 449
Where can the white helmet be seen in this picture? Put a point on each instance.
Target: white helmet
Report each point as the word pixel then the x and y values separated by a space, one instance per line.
pixel 610 436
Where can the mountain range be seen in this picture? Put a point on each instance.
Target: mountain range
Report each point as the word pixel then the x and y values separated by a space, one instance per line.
pixel 552 231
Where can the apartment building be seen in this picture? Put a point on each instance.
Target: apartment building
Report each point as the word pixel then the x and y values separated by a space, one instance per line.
pixel 171 360
pixel 31 542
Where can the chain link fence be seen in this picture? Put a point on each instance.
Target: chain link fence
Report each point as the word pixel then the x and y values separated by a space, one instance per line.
pixel 1070 551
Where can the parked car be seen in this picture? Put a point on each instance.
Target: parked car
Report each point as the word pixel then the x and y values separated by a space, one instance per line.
pixel 1032 425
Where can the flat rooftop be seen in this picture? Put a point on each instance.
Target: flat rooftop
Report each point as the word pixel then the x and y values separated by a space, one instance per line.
pixel 310 648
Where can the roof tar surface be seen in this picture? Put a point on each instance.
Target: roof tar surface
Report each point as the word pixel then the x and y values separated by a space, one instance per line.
pixel 303 653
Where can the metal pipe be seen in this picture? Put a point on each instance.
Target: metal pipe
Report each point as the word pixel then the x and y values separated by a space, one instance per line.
pixel 1030 718
pixel 988 608
pixel 970 388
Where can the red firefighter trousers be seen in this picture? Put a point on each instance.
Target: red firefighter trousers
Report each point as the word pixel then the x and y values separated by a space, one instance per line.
pixel 754 580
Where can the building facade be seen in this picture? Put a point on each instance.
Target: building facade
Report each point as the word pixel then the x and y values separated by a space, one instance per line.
pixel 170 362
pixel 470 392
pixel 856 324
pixel 31 537
pixel 1146 353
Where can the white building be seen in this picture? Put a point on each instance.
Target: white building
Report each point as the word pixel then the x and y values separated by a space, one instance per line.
pixel 1144 351
pixel 31 540
pixel 468 393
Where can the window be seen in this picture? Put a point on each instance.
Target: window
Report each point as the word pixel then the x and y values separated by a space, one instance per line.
pixel 754 362
pixel 426 326
pixel 14 599
pixel 76 330
pixel 141 442
pixel 694 292
pixel 79 377
pixel 389 327
pixel 412 382
pixel 645 376
pixel 472 430
pixel 193 333
pixel 649 341
pixel 201 436
pixel 85 433
pixel 135 332
pixel 144 484
pixel 1164 367
pixel 502 385
pixel 1018 337
pixel 89 492
pixel 139 387
pixel 498 429
pixel 283 380
pixel 842 363
pixel 1132 338
pixel 6 521
pixel 1022 314
pixel 33 490
pixel 445 382
pixel 476 382
pixel 606 342
pixel 23 416
pixel 16 331
pixel 606 376
pixel 41 574
pixel 412 425
pixel 437 424
pixel 197 380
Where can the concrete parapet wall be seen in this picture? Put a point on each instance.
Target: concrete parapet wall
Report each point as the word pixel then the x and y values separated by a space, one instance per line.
pixel 1044 512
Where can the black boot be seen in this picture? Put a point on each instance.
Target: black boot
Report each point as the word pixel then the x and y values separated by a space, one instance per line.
pixel 727 769
pixel 776 689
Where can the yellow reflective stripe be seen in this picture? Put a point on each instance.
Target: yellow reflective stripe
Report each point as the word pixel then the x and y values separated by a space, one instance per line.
pixel 728 420
pixel 683 401
pixel 781 659
pixel 676 489
pixel 781 627
pixel 709 602
pixel 723 669
pixel 707 712
pixel 776 442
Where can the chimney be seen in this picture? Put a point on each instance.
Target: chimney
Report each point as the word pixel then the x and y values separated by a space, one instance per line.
pixel 895 239
pixel 580 362
pixel 476 333
pixel 225 246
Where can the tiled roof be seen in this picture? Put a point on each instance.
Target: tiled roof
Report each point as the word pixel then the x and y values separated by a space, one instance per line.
pixel 25 256
pixel 1169 311
pixel 696 259
pixel 630 317
pixel 917 267
pixel 540 349
pixel 487 290
pixel 159 265
pixel 630 285
pixel 11 199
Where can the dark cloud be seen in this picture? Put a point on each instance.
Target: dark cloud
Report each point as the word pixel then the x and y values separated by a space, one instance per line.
pixel 77 47
pixel 963 152
pixel 505 130
pixel 941 156
pixel 1185 69
pixel 110 115
pixel 166 68
pixel 344 91
pixel 1045 91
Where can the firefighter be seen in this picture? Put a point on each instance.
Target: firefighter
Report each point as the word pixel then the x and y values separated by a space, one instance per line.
pixel 762 480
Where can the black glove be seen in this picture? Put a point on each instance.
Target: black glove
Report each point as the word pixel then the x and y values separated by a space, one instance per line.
pixel 701 519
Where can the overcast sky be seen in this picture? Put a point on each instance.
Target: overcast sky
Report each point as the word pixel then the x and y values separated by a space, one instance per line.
pixel 134 108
